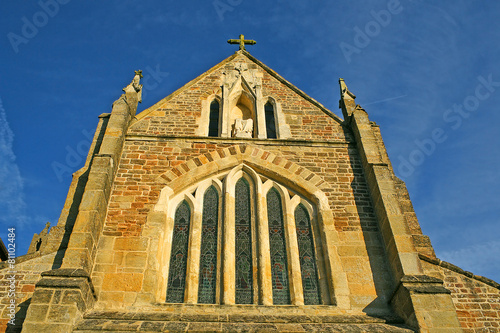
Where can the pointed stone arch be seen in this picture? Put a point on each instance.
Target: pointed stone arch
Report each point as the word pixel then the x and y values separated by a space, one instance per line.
pixel 266 163
pixel 279 169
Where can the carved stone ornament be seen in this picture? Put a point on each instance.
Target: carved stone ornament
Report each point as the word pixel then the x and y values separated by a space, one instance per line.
pixel 243 128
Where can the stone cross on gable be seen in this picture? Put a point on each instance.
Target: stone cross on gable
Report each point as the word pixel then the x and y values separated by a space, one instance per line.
pixel 242 41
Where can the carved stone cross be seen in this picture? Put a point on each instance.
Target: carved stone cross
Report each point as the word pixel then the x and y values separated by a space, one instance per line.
pixel 242 41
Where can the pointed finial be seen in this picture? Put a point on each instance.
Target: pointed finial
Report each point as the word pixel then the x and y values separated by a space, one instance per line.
pixel 344 90
pixel 346 102
pixel 242 41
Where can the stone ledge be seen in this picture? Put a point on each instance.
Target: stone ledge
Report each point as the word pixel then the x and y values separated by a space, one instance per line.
pixel 67 272
pixel 428 289
pixel 420 279
pixel 176 322
pixel 86 327
pixel 266 142
pixel 421 284
pixel 231 314
pixel 67 278
pixel 456 269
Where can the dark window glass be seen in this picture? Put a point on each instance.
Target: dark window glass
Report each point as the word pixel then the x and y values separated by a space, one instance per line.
pixel 244 269
pixel 213 127
pixel 178 257
pixel 307 258
pixel 270 123
pixel 208 256
pixel 279 267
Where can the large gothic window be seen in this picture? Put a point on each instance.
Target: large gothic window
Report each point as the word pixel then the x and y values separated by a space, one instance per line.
pixel 228 237
pixel 179 254
pixel 207 285
pixel 244 269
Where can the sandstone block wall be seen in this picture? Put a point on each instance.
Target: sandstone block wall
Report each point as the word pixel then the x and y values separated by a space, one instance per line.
pixel 124 251
pixel 27 273
pixel 476 299
pixel 179 114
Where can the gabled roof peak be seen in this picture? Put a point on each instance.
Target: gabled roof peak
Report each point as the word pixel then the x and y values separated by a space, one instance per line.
pixel 246 54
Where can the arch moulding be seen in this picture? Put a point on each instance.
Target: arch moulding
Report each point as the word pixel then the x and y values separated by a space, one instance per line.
pixel 276 168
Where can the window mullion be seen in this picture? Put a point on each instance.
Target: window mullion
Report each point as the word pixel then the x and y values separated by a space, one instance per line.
pixel 297 295
pixel 193 264
pixel 266 289
pixel 228 250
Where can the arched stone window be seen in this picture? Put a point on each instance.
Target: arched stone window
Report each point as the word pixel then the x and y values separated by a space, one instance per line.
pixel 214 121
pixel 270 121
pixel 207 285
pixel 179 254
pixel 245 239
pixel 308 267
pixel 243 244
pixel 277 245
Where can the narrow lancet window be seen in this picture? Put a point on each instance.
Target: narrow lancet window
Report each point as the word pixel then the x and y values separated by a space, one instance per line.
pixel 213 127
pixel 243 248
pixel 277 245
pixel 308 267
pixel 178 257
pixel 270 122
pixel 208 254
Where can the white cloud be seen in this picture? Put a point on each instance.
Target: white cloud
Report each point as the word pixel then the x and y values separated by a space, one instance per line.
pixel 481 259
pixel 12 204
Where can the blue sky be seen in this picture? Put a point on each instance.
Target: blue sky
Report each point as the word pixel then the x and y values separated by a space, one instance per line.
pixel 428 73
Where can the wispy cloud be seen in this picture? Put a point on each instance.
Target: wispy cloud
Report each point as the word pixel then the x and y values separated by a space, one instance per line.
pixel 482 259
pixel 12 204
pixel 384 100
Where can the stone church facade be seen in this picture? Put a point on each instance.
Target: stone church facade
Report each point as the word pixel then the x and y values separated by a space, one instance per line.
pixel 240 204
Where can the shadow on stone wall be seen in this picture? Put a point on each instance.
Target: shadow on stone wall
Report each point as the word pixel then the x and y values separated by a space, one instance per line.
pixel 20 316
pixel 77 199
pixel 379 265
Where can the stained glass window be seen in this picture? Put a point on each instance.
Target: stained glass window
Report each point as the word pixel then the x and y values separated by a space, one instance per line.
pixel 279 267
pixel 244 269
pixel 178 257
pixel 213 125
pixel 208 257
pixel 307 258
pixel 270 123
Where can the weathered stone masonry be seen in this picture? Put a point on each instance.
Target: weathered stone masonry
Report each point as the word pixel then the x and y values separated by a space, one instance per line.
pixel 103 266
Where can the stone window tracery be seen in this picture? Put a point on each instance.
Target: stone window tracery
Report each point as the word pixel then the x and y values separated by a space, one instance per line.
pixel 243 244
pixel 309 271
pixel 179 254
pixel 279 262
pixel 207 285
pixel 220 253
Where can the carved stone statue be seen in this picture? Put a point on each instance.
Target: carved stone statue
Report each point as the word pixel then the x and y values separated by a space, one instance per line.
pixel 135 85
pixel 243 128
